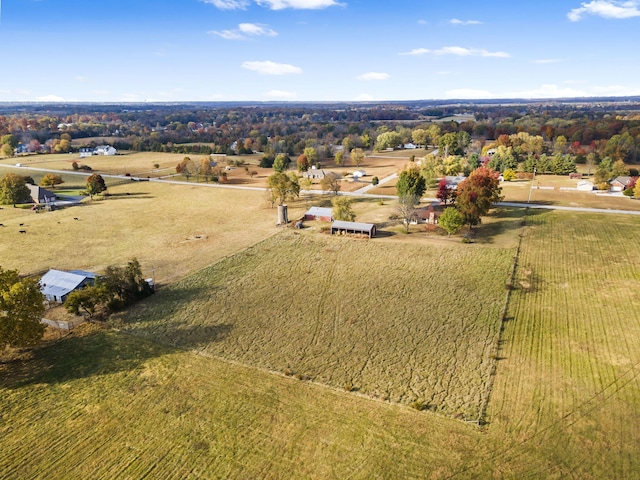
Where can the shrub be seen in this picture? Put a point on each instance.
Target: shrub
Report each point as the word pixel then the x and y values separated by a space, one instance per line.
pixel 375 181
pixel 418 405
pixel 629 192
pixel 75 166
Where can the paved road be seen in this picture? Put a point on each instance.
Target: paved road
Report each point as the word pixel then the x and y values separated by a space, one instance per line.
pixel 358 193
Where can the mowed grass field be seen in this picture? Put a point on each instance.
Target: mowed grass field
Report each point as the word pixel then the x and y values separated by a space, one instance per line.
pixel 397 322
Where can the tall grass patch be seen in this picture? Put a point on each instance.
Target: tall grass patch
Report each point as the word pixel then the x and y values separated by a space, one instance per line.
pixel 402 323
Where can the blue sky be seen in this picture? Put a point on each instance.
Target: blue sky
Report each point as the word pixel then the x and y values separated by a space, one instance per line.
pixel 316 50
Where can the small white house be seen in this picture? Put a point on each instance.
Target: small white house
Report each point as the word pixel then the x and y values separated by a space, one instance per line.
pixel 105 150
pixel 585 186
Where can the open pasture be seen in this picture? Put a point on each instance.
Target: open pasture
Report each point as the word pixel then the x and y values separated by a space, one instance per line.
pixel 398 322
pixel 174 229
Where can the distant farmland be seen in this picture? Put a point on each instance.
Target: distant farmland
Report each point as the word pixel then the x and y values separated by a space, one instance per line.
pixel 398 322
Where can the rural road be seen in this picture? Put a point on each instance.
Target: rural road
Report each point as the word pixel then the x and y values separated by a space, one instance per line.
pixel 358 193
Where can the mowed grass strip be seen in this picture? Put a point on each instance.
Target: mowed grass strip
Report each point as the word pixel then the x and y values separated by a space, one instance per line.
pixel 109 405
pixel 567 386
pixel 392 321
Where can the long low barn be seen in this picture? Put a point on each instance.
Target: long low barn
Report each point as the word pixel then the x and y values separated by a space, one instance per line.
pixel 340 226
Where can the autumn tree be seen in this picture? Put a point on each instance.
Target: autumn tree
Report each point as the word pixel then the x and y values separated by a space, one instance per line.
pixel 342 209
pixel 186 167
pixel 21 309
pixel 339 158
pixel 357 156
pixel 477 193
pixel 303 163
pixel 331 182
pixel 388 140
pixel 420 136
pixel 51 180
pixel 205 168
pixel 311 154
pixel 451 220
pixel 13 189
pixel 444 192
pixel 95 185
pixel 283 186
pixel 281 163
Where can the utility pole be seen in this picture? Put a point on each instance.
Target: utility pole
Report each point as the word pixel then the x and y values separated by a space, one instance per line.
pixel 531 186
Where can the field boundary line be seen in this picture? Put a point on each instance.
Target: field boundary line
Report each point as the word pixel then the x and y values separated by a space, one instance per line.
pixel 495 350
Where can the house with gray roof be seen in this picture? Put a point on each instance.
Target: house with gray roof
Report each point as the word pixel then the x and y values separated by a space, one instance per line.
pixel 56 285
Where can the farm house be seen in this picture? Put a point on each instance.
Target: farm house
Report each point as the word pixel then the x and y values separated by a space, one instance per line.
pixel 41 195
pixel 319 213
pixel 56 285
pixel 356 228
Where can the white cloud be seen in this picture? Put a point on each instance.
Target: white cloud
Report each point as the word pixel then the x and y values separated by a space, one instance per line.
pixel 245 30
pixel 458 51
pixel 373 76
pixel 271 68
pixel 229 4
pixel 545 61
pixel 417 51
pixel 297 4
pixel 455 21
pixel 281 94
pixel 257 29
pixel 50 98
pixel 470 52
pixel 605 9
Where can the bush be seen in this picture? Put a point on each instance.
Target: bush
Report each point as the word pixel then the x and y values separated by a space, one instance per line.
pixel 375 181
pixel 629 192
pixel 266 162
pixel 419 405
pixel 75 166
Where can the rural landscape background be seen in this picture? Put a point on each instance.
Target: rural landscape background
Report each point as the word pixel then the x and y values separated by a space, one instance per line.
pixel 504 350
pixel 489 328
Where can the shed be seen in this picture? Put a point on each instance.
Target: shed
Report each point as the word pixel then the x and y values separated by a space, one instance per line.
pixel 56 285
pixel 359 174
pixel 357 228
pixel 319 213
pixel 41 195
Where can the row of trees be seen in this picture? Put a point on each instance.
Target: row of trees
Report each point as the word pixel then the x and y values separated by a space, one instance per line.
pixel 116 289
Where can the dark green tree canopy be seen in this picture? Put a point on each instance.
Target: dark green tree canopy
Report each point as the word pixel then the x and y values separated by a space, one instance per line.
pixel 411 182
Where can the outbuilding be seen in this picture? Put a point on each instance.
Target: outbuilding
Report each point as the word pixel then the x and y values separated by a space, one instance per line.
pixel 56 285
pixel 319 213
pixel 355 228
pixel 585 186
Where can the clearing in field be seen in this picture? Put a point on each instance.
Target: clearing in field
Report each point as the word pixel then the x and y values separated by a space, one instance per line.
pixel 399 322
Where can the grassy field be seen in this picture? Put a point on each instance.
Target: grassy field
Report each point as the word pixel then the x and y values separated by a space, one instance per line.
pixel 128 404
pixel 567 387
pixel 175 229
pixel 396 322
